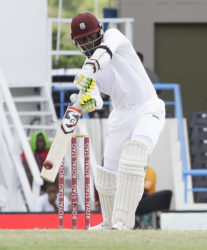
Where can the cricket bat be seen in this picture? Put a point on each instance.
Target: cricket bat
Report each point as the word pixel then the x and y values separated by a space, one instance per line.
pixel 60 144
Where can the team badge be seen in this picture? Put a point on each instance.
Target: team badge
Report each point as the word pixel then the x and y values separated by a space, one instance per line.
pixel 82 26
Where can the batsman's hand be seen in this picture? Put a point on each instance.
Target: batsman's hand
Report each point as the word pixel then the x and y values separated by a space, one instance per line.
pixel 84 80
pixel 83 101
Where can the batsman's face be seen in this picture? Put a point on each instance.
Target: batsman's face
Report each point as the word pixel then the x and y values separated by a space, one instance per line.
pixel 88 42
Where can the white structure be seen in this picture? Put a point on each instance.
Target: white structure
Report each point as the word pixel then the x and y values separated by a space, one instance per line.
pixel 12 174
pixel 148 13
pixel 25 94
pixel 23 45
pixel 23 63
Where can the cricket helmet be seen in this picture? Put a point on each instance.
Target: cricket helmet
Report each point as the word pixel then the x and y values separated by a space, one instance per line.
pixel 84 25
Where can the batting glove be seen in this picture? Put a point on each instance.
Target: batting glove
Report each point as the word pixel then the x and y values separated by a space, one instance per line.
pixel 83 101
pixel 84 80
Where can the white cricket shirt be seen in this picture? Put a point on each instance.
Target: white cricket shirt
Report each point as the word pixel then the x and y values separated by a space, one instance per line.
pixel 123 78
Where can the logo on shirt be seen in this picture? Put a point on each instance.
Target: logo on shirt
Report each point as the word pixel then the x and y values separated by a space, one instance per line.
pixel 155 116
pixel 82 26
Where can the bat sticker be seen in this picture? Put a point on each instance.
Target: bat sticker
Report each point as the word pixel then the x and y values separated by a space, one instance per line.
pixel 70 121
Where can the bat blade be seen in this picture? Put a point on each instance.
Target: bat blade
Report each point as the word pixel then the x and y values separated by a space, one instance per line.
pixel 60 144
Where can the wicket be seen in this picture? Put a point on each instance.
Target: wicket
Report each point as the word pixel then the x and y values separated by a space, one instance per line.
pixel 74 197
pixel 61 196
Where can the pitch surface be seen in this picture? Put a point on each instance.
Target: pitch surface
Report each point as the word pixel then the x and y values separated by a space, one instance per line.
pixel 68 239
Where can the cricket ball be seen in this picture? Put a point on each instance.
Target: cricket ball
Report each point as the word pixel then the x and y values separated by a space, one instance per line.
pixel 48 164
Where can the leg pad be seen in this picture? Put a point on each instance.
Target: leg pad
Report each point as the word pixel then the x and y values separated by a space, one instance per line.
pixel 130 182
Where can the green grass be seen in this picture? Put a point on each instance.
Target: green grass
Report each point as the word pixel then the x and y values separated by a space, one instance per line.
pixel 68 239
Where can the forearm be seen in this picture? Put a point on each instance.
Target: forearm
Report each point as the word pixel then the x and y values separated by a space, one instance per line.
pixel 101 56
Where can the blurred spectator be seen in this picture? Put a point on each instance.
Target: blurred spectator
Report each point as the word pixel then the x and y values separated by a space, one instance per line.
pixel 40 146
pixel 97 201
pixel 150 181
pixel 48 202
pixel 152 75
pixel 152 201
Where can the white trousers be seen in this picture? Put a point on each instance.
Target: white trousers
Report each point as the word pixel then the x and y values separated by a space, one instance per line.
pixel 143 124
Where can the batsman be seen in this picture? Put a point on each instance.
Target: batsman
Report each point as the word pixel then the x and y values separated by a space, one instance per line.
pixel 134 125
